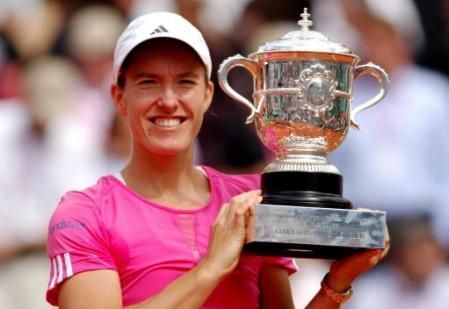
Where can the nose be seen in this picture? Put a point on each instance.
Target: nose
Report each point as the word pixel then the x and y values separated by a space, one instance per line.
pixel 168 100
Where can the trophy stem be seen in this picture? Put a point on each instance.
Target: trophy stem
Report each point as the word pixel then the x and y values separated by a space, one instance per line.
pixel 296 161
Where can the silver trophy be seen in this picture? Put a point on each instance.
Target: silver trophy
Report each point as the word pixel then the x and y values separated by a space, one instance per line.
pixel 302 111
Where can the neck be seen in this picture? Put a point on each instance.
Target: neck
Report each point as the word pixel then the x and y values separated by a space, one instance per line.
pixel 167 179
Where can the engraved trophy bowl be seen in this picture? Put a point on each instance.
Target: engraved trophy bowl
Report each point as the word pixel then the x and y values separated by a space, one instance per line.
pixel 302 111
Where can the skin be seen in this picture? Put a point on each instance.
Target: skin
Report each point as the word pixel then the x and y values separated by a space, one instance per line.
pixel 164 99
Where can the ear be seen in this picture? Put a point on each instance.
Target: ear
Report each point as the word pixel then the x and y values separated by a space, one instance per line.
pixel 118 99
pixel 209 95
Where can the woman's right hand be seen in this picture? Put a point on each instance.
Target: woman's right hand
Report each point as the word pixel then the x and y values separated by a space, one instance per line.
pixel 232 228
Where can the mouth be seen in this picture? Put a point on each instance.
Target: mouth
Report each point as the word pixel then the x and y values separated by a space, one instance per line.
pixel 167 122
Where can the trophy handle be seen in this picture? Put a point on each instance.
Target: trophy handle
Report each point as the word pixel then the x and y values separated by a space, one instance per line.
pixel 253 67
pixel 381 76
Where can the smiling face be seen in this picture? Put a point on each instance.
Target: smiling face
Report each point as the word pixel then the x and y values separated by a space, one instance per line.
pixel 164 96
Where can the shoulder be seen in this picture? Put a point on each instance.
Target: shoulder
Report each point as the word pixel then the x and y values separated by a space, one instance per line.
pixel 80 221
pixel 78 238
pixel 79 206
pixel 240 182
pixel 93 194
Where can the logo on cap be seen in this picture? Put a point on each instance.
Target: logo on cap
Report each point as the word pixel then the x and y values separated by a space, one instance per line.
pixel 159 29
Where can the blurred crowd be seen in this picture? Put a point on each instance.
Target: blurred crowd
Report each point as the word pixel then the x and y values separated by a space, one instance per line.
pixel 59 131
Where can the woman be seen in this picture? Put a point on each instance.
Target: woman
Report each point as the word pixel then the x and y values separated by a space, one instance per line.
pixel 165 233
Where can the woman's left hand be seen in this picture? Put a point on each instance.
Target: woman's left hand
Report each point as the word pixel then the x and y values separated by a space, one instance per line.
pixel 344 271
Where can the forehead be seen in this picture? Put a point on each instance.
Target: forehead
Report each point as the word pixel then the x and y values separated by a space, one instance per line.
pixel 162 50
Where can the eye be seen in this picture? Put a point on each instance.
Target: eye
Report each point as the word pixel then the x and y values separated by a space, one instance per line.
pixel 187 81
pixel 147 82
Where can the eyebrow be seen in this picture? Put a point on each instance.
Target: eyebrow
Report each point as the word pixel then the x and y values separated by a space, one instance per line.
pixel 145 75
pixel 181 75
pixel 189 74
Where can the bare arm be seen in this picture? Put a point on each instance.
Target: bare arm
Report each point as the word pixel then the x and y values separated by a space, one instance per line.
pixel 343 272
pixel 101 288
pixel 91 289
pixel 275 289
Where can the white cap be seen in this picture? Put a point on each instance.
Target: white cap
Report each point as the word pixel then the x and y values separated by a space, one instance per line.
pixel 160 25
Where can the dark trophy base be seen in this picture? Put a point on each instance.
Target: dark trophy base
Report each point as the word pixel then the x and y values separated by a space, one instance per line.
pixel 303 214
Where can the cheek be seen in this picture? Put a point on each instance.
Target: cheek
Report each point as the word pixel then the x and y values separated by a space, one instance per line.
pixel 137 103
pixel 200 102
pixel 198 123
pixel 134 125
pixel 135 113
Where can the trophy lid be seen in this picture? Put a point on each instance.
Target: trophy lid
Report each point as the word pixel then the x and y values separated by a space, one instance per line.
pixel 304 40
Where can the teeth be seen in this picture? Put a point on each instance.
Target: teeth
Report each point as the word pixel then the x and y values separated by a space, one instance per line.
pixel 167 122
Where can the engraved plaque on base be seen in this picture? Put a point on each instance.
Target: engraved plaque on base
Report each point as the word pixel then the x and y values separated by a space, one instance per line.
pixel 304 231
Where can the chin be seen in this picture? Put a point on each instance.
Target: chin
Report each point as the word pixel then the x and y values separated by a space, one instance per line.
pixel 165 146
pixel 169 150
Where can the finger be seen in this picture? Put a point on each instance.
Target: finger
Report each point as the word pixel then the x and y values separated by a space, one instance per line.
pixel 250 217
pixel 239 223
pixel 243 209
pixel 250 225
pixel 387 243
pixel 239 206
pixel 258 200
pixel 250 220
pixel 222 214
pixel 255 192
pixel 387 234
pixel 241 203
pixel 251 202
pixel 385 250
pixel 233 203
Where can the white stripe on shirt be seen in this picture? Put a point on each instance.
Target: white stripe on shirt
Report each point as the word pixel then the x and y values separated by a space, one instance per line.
pixel 54 270
pixel 60 270
pixel 68 264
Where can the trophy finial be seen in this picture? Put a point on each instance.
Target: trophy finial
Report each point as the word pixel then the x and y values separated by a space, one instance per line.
pixel 305 22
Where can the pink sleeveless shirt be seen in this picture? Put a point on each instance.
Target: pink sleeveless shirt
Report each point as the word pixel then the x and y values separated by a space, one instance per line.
pixel 109 226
